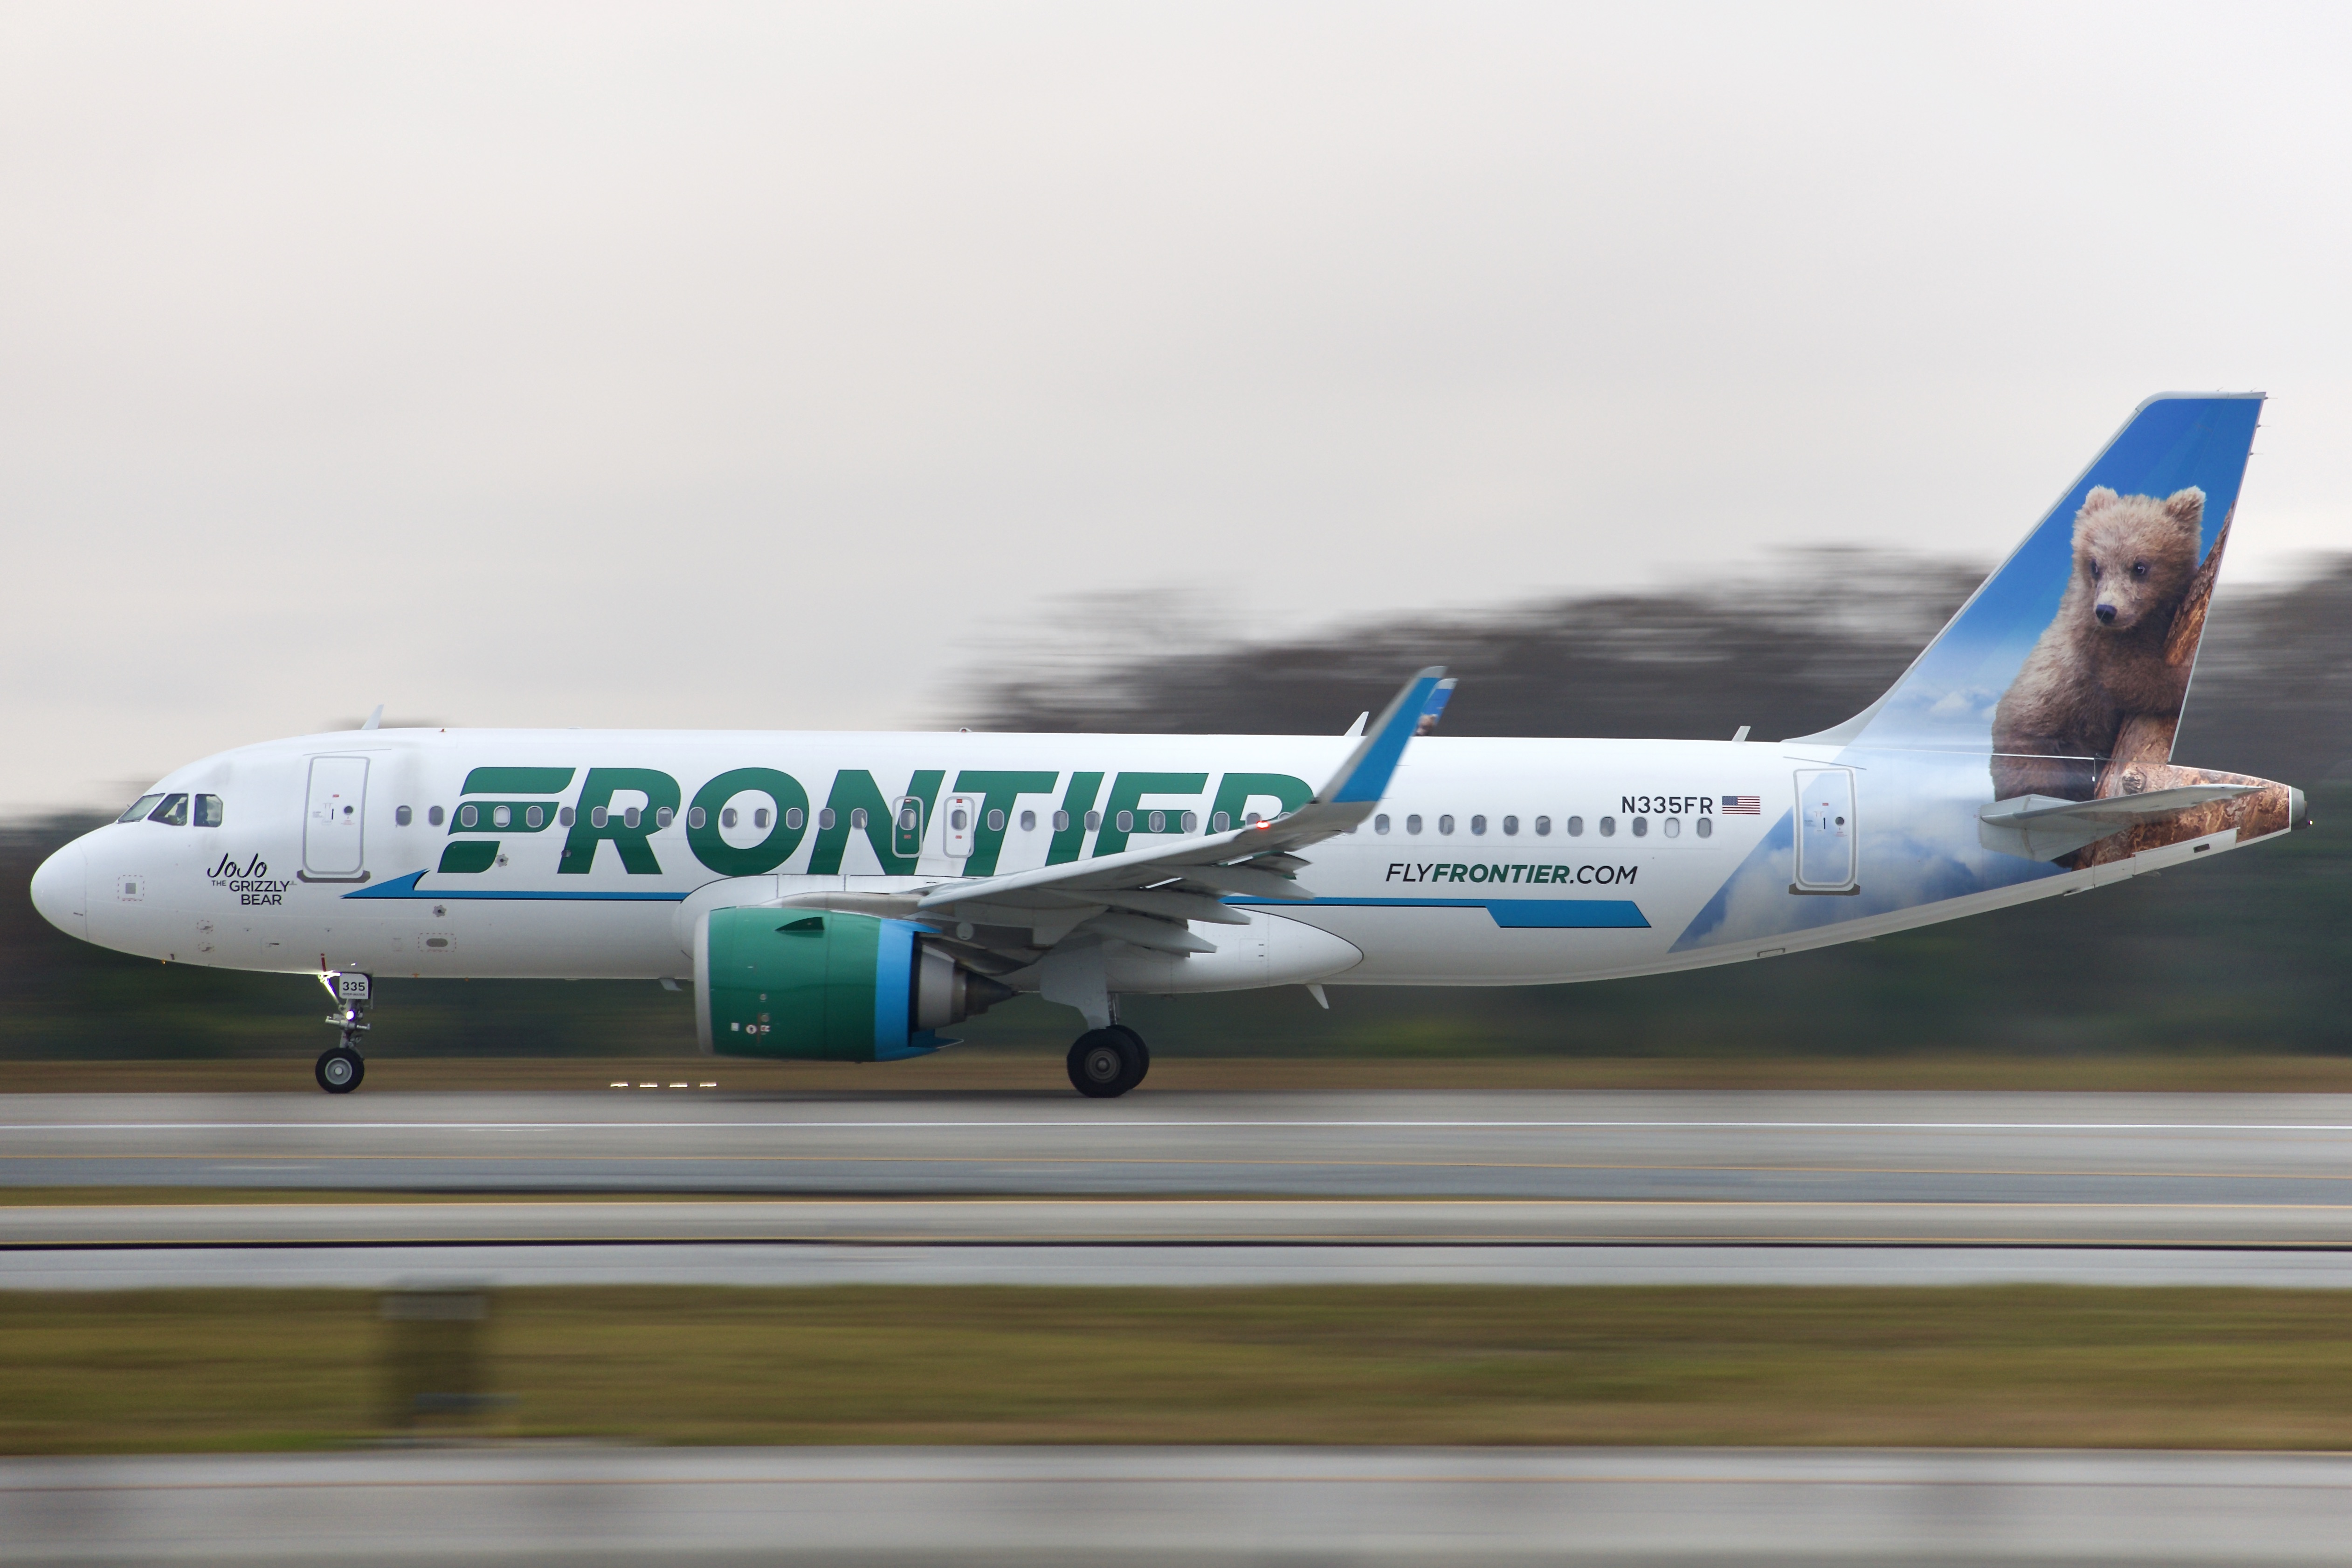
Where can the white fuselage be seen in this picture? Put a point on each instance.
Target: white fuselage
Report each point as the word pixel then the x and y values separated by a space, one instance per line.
pixel 1492 862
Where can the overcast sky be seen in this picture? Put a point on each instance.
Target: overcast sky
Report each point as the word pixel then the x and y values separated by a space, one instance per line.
pixel 767 366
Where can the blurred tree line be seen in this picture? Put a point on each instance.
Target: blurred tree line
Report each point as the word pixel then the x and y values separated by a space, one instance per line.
pixel 2242 953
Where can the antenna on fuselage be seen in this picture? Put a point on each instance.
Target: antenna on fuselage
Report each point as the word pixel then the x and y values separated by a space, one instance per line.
pixel 375 720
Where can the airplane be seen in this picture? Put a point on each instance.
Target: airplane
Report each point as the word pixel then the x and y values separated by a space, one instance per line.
pixel 847 896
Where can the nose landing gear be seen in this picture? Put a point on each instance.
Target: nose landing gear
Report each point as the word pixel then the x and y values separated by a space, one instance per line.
pixel 341 1067
pixel 1106 1063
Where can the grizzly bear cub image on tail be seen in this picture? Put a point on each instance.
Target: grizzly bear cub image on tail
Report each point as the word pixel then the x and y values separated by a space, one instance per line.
pixel 2103 659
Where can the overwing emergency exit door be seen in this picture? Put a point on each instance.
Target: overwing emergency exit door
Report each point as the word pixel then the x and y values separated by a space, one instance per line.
pixel 959 826
pixel 1828 846
pixel 335 822
pixel 906 827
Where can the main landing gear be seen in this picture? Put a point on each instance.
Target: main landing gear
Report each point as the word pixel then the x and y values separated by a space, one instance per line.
pixel 341 1067
pixel 1106 1063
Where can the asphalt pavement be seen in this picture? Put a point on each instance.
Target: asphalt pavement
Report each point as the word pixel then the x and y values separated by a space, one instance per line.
pixel 878 1508
pixel 1552 1187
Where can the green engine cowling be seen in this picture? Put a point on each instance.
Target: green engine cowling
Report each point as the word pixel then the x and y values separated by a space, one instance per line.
pixel 823 986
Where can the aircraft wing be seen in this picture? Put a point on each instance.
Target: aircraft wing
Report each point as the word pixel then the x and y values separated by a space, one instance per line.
pixel 1149 896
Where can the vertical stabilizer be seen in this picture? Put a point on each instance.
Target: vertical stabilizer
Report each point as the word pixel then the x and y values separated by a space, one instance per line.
pixel 2072 660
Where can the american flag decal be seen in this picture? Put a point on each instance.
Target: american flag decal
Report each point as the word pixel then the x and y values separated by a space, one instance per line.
pixel 1742 806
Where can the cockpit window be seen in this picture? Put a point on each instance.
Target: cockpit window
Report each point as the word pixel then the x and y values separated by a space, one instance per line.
pixel 137 811
pixel 208 810
pixel 171 813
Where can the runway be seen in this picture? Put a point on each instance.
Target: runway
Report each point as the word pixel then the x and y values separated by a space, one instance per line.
pixel 1263 1189
pixel 884 1507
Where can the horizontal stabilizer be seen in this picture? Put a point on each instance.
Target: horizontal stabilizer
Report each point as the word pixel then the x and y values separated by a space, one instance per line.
pixel 2044 827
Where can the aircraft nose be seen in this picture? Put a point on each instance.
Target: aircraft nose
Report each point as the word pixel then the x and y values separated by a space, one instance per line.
pixel 61 889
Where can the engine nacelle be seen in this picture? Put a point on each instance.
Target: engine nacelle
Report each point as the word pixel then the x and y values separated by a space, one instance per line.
pixel 823 986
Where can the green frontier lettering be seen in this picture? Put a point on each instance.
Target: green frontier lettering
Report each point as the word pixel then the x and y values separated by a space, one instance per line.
pixel 852 790
pixel 1236 790
pixel 1128 793
pixel 712 847
pixel 1076 801
pixel 517 781
pixel 597 793
pixel 998 792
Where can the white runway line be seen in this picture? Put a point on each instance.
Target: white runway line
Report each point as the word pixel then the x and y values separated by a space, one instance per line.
pixel 797 1264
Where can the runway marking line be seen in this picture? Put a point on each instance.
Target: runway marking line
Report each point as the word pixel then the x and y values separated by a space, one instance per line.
pixel 1082 1477
pixel 1121 1162
pixel 1186 1125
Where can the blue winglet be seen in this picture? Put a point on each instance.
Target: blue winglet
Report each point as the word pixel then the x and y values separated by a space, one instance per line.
pixel 1364 776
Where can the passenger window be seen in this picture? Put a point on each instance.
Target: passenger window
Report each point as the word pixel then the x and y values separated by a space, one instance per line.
pixel 1221 822
pixel 694 818
pixel 1543 827
pixel 500 816
pixel 792 819
pixel 955 820
pixel 433 816
pixel 857 819
pixel 565 816
pixel 1412 825
pixel 469 816
pixel 400 817
pixel 1191 822
pixel 1126 820
pixel 1157 821
pixel 633 816
pixel 1641 827
pixel 663 817
pixel 726 816
pixel 1608 827
pixel 1479 825
pixel 1061 822
pixel 995 821
pixel 596 817
pixel 1445 824
pixel 1705 828
pixel 1576 827
pixel 1094 820
pixel 1510 825
pixel 1671 827
pixel 824 818
pixel 758 816
pixel 137 811
pixel 1028 821
pixel 1381 823
pixel 171 813
pixel 208 811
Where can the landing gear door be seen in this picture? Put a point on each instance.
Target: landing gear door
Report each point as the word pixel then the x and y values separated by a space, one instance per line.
pixel 1828 859
pixel 335 821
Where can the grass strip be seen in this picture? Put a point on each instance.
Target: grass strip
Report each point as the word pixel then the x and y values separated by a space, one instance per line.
pixel 1999 1366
